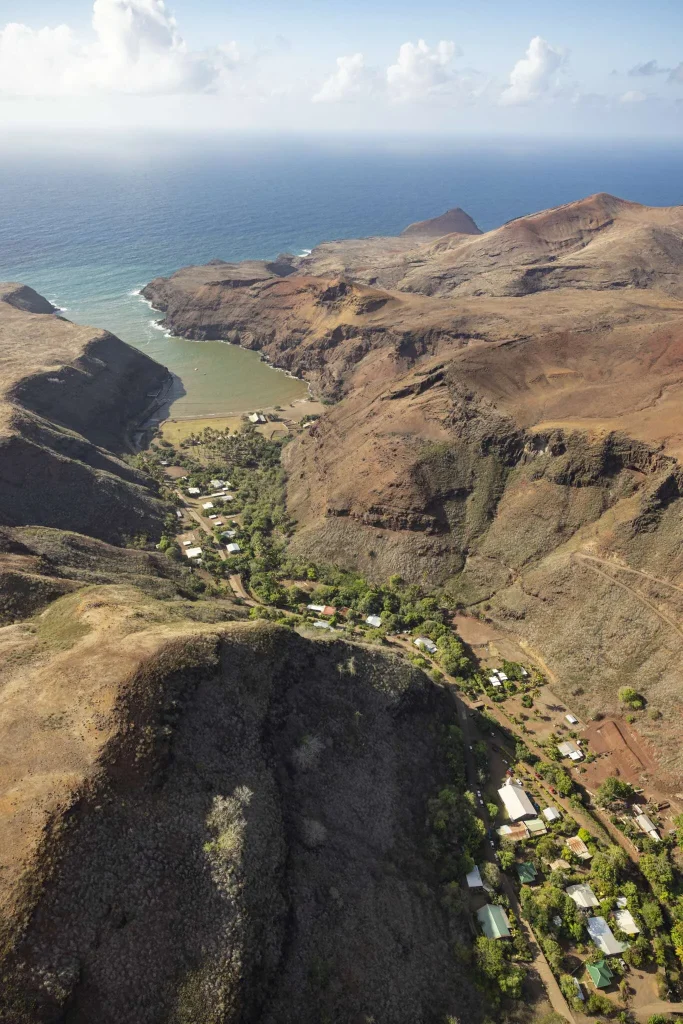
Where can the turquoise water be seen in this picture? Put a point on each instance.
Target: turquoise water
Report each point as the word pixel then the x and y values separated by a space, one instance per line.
pixel 87 227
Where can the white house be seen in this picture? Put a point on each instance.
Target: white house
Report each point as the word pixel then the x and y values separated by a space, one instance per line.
pixel 229 534
pixel 516 802
pixel 374 621
pixel 551 814
pixel 218 483
pixel 583 896
pixel 425 644
pixel 233 549
pixel 207 505
pixel 626 922
pixel 569 749
pixel 321 624
pixel 187 543
pixel 474 879
pixel 647 826
pixel 320 608
pixel 495 681
pixel 194 552
pixel 253 417
pixel 603 937
pixel 572 719
pixel 179 514
pixel 194 490
pixel 502 676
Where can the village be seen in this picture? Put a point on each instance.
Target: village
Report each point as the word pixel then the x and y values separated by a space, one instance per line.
pixel 577 876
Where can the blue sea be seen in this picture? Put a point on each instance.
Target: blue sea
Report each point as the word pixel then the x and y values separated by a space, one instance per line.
pixel 88 222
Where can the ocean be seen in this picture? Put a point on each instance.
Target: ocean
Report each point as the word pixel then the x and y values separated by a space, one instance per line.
pixel 87 224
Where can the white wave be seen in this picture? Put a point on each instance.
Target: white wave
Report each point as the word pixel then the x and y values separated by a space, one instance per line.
pixel 158 326
pixel 135 293
pixel 305 252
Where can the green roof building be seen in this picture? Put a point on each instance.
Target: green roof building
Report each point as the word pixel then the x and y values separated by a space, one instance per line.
pixel 601 975
pixel 527 873
pixel 494 922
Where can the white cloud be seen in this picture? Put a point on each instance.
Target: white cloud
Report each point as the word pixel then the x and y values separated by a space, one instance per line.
pixel 633 96
pixel 421 71
pixel 351 79
pixel 534 74
pixel 137 49
pixel 676 74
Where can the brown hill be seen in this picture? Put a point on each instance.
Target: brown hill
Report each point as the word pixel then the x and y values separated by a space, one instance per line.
pixel 69 397
pixel 454 221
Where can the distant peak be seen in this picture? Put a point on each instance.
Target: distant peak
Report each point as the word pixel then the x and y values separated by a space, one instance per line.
pixel 454 221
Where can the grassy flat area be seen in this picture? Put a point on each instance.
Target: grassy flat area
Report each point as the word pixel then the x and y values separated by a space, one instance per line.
pixel 176 431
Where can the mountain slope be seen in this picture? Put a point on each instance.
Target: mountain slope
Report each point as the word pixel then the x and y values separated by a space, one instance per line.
pixel 509 408
pixel 69 397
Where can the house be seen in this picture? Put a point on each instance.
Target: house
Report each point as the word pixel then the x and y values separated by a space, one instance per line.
pixel 551 814
pixel 571 750
pixel 625 922
pixel 321 624
pixel 572 719
pixel 600 974
pixel 374 621
pixel 579 990
pixel 253 417
pixel 516 802
pixel 602 936
pixel 560 865
pixel 207 505
pixel 233 549
pixel 194 552
pixel 578 848
pixel 179 514
pixel 583 896
pixel 527 872
pixel 647 826
pixel 502 677
pixel 495 681
pixel 187 543
pixel 536 827
pixel 229 534
pixel 494 922
pixel 474 879
pixel 213 517
pixel 218 484
pixel 193 490
pixel 322 609
pixel 425 644
pixel 515 833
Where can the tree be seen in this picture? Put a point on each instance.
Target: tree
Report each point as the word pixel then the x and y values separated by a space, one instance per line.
pixel 597 1004
pixel 651 914
pixel 613 791
pixel 658 870
pixel 677 939
pixel 608 864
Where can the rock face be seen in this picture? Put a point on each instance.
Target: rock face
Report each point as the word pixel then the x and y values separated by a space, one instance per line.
pixel 248 846
pixel 69 397
pixel 507 426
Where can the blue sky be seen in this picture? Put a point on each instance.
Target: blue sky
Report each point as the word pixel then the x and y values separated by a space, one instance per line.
pixel 593 68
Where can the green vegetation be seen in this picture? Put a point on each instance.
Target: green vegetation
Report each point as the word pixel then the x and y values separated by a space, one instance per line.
pixel 614 791
pixel 631 697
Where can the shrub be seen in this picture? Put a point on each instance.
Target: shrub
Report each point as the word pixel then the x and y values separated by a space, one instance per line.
pixel 613 790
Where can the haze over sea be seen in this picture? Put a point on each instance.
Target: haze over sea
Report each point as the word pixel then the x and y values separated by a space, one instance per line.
pixel 88 225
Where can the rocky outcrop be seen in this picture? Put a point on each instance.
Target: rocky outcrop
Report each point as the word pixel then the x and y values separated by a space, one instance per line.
pixel 454 221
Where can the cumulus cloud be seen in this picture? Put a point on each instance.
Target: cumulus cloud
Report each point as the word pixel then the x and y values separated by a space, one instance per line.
pixel 421 71
pixel 136 49
pixel 633 96
pixel 676 75
pixel 534 74
pixel 351 78
pixel 647 69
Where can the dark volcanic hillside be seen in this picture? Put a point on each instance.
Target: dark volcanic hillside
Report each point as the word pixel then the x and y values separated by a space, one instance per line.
pixel 250 848
pixel 510 427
